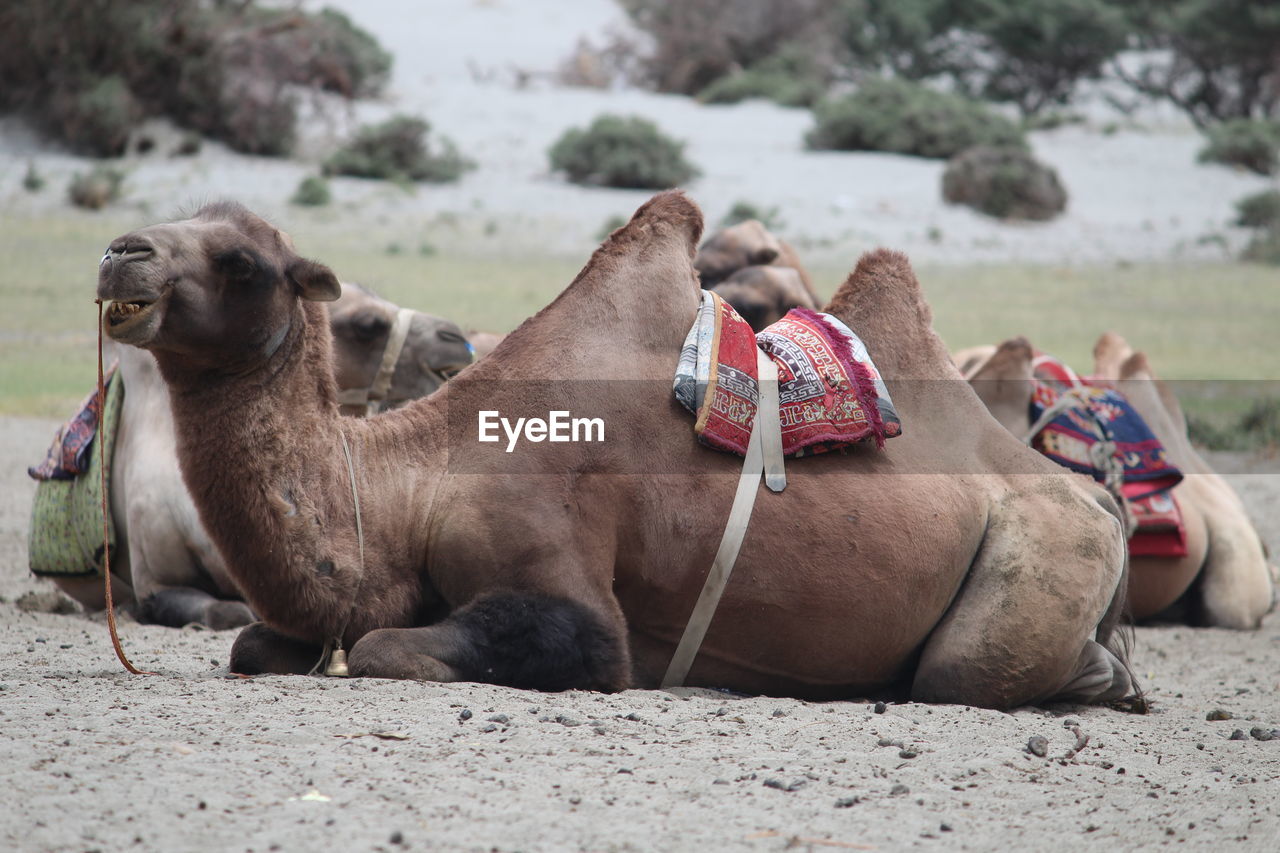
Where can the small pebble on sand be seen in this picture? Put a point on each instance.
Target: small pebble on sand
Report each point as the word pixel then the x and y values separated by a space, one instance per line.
pixel 1038 746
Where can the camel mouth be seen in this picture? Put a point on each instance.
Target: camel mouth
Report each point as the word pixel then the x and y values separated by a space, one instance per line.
pixel 122 313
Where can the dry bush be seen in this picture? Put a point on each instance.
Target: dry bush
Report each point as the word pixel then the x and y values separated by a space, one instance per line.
pixel 87 72
pixel 903 117
pixel 695 42
pixel 627 152
pixel 398 150
pixel 1252 144
pixel 1007 183
pixel 95 189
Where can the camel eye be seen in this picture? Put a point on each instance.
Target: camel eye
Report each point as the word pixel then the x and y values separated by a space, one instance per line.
pixel 368 327
pixel 236 264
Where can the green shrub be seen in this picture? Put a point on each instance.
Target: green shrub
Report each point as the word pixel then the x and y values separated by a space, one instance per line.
pixel 398 150
pixel 312 191
pixel 908 118
pixel 1040 49
pixel 1214 59
pixel 1264 248
pixel 95 189
pixel 744 210
pixel 1257 429
pixel 777 86
pixel 693 43
pixel 1260 210
pixel 86 72
pixel 1007 183
pixel 1253 144
pixel 257 118
pixel 620 151
pixel 32 181
pixel 791 78
pixel 97 120
pixel 343 57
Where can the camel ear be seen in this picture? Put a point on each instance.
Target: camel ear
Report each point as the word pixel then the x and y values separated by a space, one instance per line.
pixel 314 281
pixel 764 257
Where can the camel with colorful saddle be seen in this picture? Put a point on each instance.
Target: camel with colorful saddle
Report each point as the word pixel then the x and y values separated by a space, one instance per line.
pixel 163 559
pixel 917 568
pixel 1194 554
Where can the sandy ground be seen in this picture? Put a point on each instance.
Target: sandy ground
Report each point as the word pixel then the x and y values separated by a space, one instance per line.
pixel 483 73
pixel 190 759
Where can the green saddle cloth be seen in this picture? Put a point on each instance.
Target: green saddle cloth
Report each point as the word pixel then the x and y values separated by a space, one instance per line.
pixel 65 538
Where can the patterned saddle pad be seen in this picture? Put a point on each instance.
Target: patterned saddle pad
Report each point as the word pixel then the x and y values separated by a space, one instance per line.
pixel 830 394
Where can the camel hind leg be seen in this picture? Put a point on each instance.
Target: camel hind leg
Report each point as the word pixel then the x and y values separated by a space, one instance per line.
pixel 1035 616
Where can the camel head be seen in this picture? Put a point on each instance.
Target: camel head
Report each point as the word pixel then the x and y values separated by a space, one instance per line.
pixel 217 290
pixel 746 244
pixel 434 350
pixel 1003 384
pixel 762 295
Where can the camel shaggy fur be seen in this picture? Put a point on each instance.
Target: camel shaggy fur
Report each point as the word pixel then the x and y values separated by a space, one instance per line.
pixel 166 561
pixel 1224 580
pixel 897 570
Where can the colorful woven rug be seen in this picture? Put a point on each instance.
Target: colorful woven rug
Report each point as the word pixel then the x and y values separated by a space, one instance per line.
pixel 1160 532
pixel 1103 415
pixel 830 394
pixel 68 456
pixel 65 537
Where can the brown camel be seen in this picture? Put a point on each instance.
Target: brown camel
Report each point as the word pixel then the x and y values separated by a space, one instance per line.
pixel 164 560
pixel 1224 580
pixel 576 567
pixel 748 244
pixel 762 295
pixel 434 349
pixel 483 343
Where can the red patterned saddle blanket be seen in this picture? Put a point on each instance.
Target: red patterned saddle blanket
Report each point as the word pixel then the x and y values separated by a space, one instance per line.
pixel 830 394
pixel 1104 414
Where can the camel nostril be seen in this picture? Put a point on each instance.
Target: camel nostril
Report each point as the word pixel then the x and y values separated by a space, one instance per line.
pixel 130 246
pixel 451 337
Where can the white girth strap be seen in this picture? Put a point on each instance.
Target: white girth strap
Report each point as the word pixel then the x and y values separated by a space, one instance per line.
pixel 764 455
pixel 373 396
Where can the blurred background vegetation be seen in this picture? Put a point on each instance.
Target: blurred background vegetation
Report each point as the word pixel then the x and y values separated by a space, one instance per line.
pixel 945 79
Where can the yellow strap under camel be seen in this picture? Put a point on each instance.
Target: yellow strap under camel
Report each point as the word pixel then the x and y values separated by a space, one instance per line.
pixel 764 456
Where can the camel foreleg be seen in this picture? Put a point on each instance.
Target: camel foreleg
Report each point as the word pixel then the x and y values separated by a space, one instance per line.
pixel 260 650
pixel 183 605
pixel 527 640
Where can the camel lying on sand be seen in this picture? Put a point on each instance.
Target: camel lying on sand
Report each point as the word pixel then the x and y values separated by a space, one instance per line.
pixel 434 350
pixel 483 343
pixel 905 570
pixel 744 262
pixel 165 560
pixel 1223 581
pixel 763 295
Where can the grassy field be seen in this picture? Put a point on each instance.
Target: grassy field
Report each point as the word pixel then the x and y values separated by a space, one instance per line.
pixel 1195 322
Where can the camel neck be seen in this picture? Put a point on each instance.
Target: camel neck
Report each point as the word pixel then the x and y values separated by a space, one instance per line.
pixel 260 454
